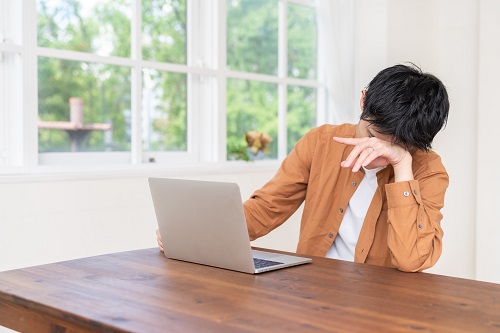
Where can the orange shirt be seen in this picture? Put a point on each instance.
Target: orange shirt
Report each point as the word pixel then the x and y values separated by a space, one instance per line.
pixel 402 226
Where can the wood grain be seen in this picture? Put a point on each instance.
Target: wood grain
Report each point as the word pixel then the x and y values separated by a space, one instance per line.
pixel 142 291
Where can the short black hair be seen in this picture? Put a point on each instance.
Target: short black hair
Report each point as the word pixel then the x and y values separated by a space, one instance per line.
pixel 407 104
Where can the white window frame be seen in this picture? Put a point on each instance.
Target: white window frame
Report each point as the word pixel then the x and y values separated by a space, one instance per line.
pixel 12 76
pixel 207 75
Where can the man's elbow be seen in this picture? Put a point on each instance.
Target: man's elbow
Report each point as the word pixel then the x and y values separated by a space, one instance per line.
pixel 414 264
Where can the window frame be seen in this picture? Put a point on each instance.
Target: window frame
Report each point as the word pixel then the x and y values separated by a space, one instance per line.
pixel 14 143
pixel 207 75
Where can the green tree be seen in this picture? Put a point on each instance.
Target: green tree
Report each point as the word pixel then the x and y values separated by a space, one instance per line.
pixel 164 39
pixel 251 106
pixel 252 43
pixel 105 29
pixel 302 42
pixel 301 114
pixel 252 36
pixel 164 31
pixel 105 89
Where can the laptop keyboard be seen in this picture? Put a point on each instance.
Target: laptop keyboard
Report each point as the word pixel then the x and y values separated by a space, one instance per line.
pixel 261 263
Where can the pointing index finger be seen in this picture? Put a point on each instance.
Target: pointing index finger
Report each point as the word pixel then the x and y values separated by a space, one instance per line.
pixel 348 141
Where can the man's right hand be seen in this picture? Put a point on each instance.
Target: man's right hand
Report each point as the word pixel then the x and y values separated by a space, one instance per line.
pixel 158 239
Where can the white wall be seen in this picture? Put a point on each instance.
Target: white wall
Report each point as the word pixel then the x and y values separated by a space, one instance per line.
pixel 370 47
pixel 116 214
pixel 487 155
pixel 457 41
pixel 441 37
pixel 49 221
pixel 457 38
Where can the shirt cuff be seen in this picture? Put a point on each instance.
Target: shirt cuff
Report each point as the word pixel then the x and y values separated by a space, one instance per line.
pixel 403 193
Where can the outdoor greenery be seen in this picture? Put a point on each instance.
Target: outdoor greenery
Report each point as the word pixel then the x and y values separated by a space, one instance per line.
pixel 103 28
pixel 252 43
pixel 105 89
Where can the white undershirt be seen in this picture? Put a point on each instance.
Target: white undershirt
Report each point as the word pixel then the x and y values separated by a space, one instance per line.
pixel 344 244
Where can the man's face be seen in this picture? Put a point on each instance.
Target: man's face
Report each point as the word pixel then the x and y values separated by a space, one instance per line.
pixel 365 129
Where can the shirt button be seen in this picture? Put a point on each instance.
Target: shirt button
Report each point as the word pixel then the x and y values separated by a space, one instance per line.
pixel 341 210
pixel 420 226
pixel 330 235
pixel 415 191
pixel 353 183
pixel 405 193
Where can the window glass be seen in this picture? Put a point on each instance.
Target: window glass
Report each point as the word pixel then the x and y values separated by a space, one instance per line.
pixel 164 111
pixel 93 26
pixel 302 42
pixel 83 99
pixel 164 31
pixel 251 107
pixel 83 106
pixel 252 36
pixel 301 116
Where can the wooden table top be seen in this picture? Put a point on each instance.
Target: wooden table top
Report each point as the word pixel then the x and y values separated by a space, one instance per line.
pixel 142 291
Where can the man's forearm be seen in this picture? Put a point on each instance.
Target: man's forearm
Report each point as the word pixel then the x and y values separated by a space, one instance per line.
pixel 403 171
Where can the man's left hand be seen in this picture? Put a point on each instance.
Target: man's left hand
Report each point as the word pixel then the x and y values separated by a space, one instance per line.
pixel 373 152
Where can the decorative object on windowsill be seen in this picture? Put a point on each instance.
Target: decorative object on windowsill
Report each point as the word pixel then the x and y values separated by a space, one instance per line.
pixel 256 147
pixel 258 144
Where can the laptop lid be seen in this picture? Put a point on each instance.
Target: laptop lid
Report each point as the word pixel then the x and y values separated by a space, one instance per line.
pixel 203 222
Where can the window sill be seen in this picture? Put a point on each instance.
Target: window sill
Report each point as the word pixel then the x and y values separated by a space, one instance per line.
pixel 52 173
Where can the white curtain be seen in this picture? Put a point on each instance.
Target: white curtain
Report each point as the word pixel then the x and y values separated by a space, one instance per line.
pixel 336 61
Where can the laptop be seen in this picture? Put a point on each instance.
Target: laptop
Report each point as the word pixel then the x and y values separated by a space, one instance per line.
pixel 203 222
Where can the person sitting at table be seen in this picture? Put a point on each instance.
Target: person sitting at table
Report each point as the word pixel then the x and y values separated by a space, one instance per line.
pixel 373 191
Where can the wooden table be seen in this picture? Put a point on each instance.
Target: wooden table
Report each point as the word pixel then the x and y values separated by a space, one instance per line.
pixel 142 291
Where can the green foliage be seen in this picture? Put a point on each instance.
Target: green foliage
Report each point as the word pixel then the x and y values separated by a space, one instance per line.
pixel 106 89
pixel 164 31
pixel 251 106
pixel 164 39
pixel 302 41
pixel 252 36
pixel 169 126
pixel 252 41
pixel 237 148
pixel 301 115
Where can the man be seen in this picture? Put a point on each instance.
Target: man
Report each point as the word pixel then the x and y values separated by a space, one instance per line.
pixel 373 191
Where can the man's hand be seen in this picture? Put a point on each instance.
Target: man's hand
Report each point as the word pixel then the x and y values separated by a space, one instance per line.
pixel 158 239
pixel 374 152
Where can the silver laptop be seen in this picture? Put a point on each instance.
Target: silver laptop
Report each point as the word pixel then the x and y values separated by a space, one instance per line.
pixel 203 222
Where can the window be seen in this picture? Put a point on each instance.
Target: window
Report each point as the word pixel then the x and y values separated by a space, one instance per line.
pixel 144 81
pixel 302 64
pixel 276 40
